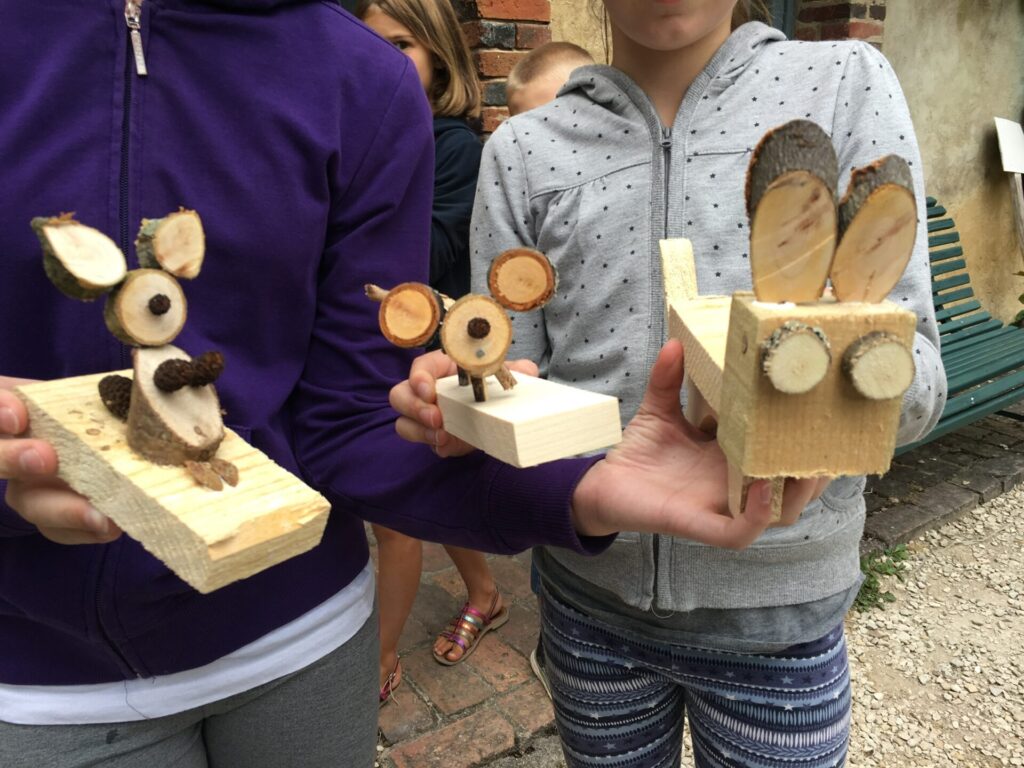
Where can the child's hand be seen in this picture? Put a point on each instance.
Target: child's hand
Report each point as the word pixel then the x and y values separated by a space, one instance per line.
pixel 415 399
pixel 33 490
pixel 666 476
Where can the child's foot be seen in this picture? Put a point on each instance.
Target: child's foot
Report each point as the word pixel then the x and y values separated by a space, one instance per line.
pixel 390 679
pixel 467 628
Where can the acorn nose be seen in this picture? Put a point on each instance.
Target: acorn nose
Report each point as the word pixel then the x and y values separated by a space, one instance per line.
pixel 478 328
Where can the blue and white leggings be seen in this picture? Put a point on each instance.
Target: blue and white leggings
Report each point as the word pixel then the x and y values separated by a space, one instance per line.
pixel 620 699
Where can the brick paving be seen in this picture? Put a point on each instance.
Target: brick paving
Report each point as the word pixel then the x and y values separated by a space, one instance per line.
pixel 490 711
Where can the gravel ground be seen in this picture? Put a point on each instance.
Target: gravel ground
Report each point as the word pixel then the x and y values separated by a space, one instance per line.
pixel 938 674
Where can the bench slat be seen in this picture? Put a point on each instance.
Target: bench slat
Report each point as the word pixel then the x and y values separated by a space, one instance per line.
pixel 955 311
pixel 949 266
pixel 950 282
pixel 967 336
pixel 946 253
pixel 945 239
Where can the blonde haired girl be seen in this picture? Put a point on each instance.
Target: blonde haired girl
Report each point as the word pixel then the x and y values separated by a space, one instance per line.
pixel 428 32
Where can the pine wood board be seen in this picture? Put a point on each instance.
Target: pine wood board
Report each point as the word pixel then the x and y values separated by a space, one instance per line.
pixel 208 538
pixel 829 431
pixel 534 422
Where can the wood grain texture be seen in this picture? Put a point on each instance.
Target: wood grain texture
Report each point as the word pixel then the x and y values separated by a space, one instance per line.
pixel 831 430
pixel 208 538
pixel 536 422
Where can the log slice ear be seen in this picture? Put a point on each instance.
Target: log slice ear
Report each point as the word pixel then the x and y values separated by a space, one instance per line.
pixel 171 427
pixel 790 193
pixel 148 309
pixel 877 230
pixel 879 365
pixel 176 243
pixel 410 314
pixel 522 279
pixel 476 334
pixel 81 261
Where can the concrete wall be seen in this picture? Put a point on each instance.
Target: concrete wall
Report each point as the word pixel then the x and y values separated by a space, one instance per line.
pixel 576 22
pixel 961 62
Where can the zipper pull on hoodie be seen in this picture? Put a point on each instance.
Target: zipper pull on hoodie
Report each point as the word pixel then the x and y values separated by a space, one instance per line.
pixel 133 18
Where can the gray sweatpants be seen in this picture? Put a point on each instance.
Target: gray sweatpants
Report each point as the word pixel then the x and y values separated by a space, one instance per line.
pixel 323 716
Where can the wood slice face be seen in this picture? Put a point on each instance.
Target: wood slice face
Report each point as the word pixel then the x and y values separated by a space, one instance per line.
pixel 148 309
pixel 81 261
pixel 795 358
pixel 171 427
pixel 792 239
pixel 879 365
pixel 175 243
pixel 878 227
pixel 464 339
pixel 410 314
pixel 522 279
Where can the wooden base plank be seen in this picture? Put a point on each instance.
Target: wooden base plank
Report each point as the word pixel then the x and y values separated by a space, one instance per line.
pixel 208 538
pixel 535 422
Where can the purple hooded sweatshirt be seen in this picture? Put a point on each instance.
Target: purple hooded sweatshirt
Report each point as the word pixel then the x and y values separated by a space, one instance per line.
pixel 304 142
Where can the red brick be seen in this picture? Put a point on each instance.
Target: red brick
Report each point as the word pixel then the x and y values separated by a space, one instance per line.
pixel 807 32
pixel 513 578
pixel 496 63
pixel 839 30
pixel 435 558
pixel 492 117
pixel 522 629
pixel 530 36
pixel 463 744
pixel 824 12
pixel 449 689
pixel 528 708
pixel 526 10
pixel 501 666
pixel 490 34
pixel 405 717
pixel 866 30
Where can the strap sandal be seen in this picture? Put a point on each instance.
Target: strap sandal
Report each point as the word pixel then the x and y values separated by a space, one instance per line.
pixel 387 691
pixel 468 627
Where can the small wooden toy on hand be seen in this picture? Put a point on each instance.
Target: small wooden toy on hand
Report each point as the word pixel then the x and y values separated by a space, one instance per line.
pixel 544 421
pixel 795 382
pixel 148 449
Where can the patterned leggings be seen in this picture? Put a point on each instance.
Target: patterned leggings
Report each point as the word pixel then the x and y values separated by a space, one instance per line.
pixel 620 699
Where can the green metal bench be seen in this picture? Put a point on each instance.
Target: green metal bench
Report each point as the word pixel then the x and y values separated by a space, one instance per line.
pixel 984 358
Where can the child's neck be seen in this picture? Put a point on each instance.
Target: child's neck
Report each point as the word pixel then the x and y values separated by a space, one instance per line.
pixel 665 76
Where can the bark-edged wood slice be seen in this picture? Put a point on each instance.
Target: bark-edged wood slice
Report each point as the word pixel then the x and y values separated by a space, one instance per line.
pixel 147 309
pixel 175 243
pixel 409 314
pixel 476 334
pixel 171 427
pixel 522 279
pixel 790 193
pixel 81 261
pixel 795 358
pixel 877 230
pixel 879 365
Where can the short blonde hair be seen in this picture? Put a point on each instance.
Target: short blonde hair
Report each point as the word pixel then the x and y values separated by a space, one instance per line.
pixel 543 58
pixel 455 90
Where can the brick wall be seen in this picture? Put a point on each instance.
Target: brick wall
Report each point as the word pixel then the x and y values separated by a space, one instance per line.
pixel 500 32
pixel 832 20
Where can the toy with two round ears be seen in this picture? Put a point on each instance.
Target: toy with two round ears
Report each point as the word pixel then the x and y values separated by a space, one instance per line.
pixel 796 382
pixel 148 449
pixel 542 421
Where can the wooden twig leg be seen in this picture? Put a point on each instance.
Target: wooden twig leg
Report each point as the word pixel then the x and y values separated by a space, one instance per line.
pixel 738 486
pixel 479 388
pixel 463 378
pixel 505 378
